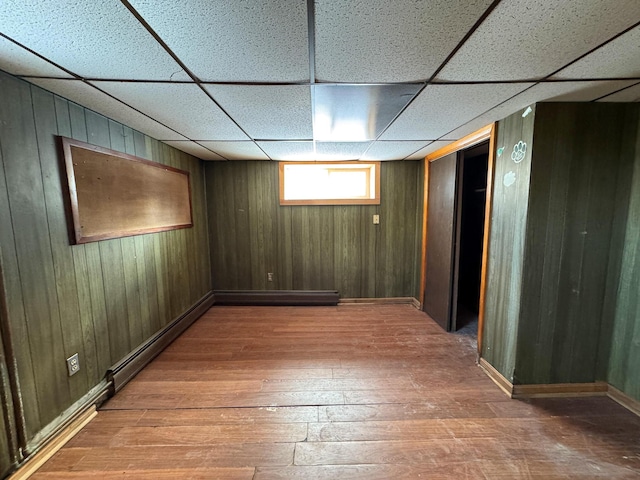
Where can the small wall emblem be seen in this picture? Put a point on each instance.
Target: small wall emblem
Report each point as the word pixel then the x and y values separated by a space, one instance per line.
pixel 509 178
pixel 519 151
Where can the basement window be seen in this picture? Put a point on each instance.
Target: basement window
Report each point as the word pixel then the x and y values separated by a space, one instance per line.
pixel 334 183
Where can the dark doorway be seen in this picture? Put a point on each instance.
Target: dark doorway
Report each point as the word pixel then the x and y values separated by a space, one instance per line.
pixel 472 196
pixel 455 230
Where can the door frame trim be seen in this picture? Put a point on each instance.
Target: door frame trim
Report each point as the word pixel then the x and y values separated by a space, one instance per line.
pixel 488 132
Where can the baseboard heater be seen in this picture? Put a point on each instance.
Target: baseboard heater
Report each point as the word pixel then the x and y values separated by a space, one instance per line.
pixel 129 366
pixel 277 297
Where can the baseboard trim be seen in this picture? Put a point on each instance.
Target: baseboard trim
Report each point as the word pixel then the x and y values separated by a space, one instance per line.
pixel 130 366
pixel 93 397
pixel 590 389
pixel 277 297
pixel 500 380
pixel 560 390
pixel 623 399
pixel 34 462
pixel 380 301
pixel 416 303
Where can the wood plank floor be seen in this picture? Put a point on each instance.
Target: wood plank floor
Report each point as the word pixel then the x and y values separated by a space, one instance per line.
pixel 348 392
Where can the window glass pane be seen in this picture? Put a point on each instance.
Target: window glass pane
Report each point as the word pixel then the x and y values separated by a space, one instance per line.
pixel 335 183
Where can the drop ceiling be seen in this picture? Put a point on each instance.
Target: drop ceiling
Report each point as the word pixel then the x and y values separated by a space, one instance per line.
pixel 325 79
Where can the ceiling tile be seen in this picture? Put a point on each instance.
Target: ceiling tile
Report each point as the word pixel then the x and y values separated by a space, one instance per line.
pixel 87 96
pixel 523 39
pixel 19 61
pixel 340 150
pixel 184 107
pixel 234 40
pixel 579 91
pixel 441 108
pixel 617 59
pixel 631 94
pixel 92 39
pixel 268 111
pixel 389 41
pixel 432 147
pixel 194 149
pixel 381 150
pixel 289 151
pixel 476 124
pixel 236 150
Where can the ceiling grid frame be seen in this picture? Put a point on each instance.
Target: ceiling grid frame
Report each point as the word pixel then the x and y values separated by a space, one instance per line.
pixel 26 62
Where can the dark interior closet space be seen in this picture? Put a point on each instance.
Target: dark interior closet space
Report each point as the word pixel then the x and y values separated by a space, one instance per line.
pixel 471 213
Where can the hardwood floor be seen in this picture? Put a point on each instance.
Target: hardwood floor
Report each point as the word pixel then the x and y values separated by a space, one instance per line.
pixel 348 392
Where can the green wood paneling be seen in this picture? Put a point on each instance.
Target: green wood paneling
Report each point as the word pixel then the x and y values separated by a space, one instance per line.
pixel 101 299
pixel 624 363
pixel 35 269
pixel 8 444
pixel 312 247
pixel 559 295
pixel 65 281
pixel 395 256
pixel 578 154
pixel 9 448
pixel 506 243
pixel 262 224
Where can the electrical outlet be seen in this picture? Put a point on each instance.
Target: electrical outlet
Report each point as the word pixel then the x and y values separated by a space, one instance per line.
pixel 376 219
pixel 73 364
pixel 269 277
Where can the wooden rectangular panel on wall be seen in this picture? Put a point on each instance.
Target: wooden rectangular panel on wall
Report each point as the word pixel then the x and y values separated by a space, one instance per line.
pixel 330 247
pixel 100 299
pixel 114 194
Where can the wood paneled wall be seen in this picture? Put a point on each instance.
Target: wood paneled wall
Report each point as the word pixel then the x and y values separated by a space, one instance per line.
pixel 102 299
pixel 624 364
pixel 313 247
pixel 506 243
pixel 582 153
pixel 563 248
pixel 8 447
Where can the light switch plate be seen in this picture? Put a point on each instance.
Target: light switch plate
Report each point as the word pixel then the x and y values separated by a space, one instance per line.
pixel 376 219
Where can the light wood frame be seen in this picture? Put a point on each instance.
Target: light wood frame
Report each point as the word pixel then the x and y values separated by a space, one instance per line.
pixel 113 194
pixel 331 201
pixel 486 133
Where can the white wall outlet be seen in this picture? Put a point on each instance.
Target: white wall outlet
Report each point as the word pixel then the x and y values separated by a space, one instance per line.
pixel 73 364
pixel 269 277
pixel 376 219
